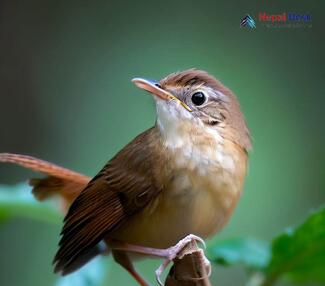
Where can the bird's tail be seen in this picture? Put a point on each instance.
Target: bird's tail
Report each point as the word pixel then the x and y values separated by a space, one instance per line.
pixel 59 181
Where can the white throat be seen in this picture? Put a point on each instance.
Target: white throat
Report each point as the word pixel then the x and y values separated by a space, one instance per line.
pixel 174 123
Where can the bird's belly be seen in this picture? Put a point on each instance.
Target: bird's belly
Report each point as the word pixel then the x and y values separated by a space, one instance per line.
pixel 187 206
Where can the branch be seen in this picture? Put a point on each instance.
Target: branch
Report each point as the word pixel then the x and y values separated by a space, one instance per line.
pixel 191 268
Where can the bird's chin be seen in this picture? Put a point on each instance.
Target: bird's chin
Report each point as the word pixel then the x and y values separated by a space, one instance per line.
pixel 172 111
pixel 171 119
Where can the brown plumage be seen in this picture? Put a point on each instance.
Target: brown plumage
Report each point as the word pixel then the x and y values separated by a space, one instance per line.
pixel 184 175
pixel 235 119
pixel 59 181
pixel 117 192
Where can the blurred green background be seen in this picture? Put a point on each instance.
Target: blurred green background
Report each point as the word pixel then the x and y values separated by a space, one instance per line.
pixel 66 97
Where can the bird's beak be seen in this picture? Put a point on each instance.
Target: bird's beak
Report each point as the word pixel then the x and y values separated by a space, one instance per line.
pixel 154 88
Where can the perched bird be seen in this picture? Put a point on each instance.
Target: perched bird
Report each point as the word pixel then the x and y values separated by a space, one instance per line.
pixel 182 176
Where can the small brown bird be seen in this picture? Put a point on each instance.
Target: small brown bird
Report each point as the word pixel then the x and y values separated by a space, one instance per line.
pixel 183 176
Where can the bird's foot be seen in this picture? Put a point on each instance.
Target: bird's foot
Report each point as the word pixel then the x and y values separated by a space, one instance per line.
pixel 169 254
pixel 175 251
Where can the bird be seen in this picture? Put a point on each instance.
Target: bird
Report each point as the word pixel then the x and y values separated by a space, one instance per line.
pixel 181 178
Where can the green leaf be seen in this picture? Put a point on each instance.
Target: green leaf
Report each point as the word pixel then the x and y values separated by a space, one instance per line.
pixel 18 202
pixel 252 253
pixel 299 253
pixel 92 274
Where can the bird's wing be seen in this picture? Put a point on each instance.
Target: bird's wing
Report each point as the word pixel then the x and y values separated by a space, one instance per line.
pixel 123 187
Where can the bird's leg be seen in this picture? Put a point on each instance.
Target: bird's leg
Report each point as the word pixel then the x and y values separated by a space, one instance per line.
pixel 123 259
pixel 168 253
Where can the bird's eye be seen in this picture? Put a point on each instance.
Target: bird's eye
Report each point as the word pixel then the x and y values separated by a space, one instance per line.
pixel 198 98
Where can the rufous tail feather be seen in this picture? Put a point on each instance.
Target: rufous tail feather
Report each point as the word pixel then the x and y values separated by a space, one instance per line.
pixel 59 181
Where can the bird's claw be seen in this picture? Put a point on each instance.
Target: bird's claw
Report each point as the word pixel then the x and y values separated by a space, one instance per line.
pixel 174 251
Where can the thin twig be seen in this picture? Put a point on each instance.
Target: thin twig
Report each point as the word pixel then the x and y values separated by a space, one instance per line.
pixel 191 268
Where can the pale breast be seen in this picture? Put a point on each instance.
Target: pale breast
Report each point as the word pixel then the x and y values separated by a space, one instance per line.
pixel 198 198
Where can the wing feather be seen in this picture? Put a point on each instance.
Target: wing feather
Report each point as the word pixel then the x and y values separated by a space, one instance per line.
pixel 113 195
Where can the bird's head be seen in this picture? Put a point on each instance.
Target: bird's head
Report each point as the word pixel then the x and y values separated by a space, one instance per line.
pixel 197 100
